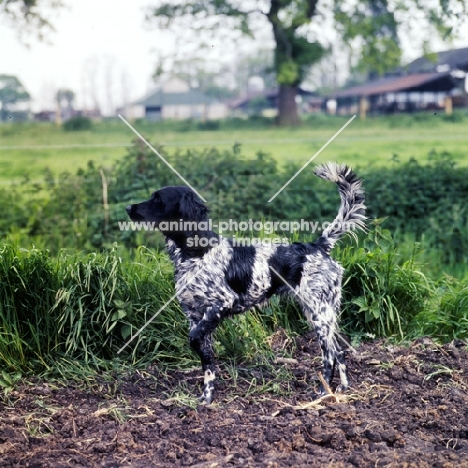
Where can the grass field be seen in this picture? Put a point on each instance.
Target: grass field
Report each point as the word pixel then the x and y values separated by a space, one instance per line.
pixel 27 149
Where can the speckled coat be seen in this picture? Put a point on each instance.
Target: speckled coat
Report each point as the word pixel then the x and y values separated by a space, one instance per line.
pixel 223 279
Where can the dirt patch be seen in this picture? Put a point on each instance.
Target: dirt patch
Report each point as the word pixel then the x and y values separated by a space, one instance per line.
pixel 408 407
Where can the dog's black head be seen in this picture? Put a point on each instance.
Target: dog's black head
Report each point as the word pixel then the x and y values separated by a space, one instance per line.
pixel 179 205
pixel 169 204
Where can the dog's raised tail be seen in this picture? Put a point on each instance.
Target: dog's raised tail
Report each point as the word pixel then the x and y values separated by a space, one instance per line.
pixel 352 213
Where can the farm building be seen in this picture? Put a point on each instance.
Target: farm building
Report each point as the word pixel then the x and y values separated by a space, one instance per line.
pixel 177 100
pixel 432 82
pixel 62 115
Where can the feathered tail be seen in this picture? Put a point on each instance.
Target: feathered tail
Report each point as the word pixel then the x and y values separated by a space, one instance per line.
pixel 351 215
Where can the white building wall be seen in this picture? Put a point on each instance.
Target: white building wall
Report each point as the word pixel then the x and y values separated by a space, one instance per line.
pixel 217 111
pixel 198 111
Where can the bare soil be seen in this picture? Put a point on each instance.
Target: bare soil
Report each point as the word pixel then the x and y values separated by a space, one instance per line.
pixel 408 407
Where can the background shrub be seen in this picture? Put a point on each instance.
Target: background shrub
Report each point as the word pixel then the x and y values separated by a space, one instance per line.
pixel 383 293
pixel 77 123
pixel 422 203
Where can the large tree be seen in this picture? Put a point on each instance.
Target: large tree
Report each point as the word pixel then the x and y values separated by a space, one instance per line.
pixel 375 28
pixel 296 26
pixel 288 19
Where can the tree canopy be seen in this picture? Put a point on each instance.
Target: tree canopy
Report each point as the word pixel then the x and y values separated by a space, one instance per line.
pixel 29 16
pixel 296 26
pixel 11 92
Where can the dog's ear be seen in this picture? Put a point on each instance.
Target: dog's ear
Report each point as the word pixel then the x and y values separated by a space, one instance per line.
pixel 192 207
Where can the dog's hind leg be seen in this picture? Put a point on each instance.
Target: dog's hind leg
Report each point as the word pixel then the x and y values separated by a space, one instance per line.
pixel 323 318
pixel 201 342
pixel 332 354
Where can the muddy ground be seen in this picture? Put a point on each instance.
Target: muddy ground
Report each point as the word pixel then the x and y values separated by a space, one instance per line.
pixel 408 407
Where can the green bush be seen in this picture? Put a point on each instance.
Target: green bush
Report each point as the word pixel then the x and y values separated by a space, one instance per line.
pixel 448 319
pixel 456 117
pixel 209 125
pixel 78 123
pixel 424 202
pixel 382 292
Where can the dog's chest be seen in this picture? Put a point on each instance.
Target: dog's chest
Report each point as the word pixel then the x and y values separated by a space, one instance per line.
pixel 200 281
pixel 203 281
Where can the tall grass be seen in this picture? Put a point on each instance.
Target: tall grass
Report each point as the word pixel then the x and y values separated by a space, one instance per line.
pixel 28 283
pixel 80 307
pixel 449 319
pixel 383 292
pixel 56 312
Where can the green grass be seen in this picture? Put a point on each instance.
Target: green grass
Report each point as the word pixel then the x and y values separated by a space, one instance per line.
pixel 26 149
pixel 59 312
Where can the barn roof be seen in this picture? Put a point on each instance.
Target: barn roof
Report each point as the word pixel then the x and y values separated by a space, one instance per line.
pixel 160 98
pixel 246 98
pixel 455 59
pixel 417 82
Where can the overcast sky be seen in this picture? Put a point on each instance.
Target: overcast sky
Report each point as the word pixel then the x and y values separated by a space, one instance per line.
pixel 101 40
pixel 105 35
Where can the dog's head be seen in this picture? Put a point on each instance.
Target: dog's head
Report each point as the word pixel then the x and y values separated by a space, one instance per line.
pixel 169 204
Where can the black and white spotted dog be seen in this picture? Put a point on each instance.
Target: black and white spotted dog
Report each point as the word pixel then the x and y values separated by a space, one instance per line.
pixel 221 278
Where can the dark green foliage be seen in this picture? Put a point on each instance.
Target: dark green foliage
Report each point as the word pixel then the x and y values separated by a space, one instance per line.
pixel 383 292
pixel 230 123
pixel 73 214
pixel 14 214
pixel 209 125
pixel 456 116
pixel 378 26
pixel 449 320
pixel 76 124
pixel 425 202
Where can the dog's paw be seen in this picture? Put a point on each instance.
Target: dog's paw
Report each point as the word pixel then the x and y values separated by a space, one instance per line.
pixel 341 388
pixel 208 388
pixel 206 398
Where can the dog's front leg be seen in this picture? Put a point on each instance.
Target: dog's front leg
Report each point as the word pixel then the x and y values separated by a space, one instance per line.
pixel 201 343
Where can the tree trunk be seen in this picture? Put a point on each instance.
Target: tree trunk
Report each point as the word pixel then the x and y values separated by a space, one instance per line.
pixel 287 106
